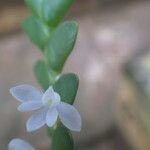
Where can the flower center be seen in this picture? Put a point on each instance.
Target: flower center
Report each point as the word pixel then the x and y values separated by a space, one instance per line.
pixel 47 101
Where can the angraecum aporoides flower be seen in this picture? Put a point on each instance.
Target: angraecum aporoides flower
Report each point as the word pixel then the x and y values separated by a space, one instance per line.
pixel 48 106
pixel 19 144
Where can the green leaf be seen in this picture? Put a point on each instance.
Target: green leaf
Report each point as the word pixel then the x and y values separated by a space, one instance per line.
pixel 62 139
pixel 36 30
pixel 67 86
pixel 61 45
pixel 44 75
pixel 35 6
pixel 55 10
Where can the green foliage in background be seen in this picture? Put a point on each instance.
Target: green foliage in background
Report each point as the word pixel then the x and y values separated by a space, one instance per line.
pixel 56 41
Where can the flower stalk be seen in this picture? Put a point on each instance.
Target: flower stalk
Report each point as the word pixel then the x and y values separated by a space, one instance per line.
pixel 56 40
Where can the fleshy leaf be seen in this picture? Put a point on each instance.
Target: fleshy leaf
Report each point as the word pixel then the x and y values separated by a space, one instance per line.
pixel 66 87
pixel 55 10
pixel 44 75
pixel 61 45
pixel 36 30
pixel 62 139
pixel 35 6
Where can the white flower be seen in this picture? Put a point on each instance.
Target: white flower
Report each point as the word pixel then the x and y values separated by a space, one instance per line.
pixel 19 144
pixel 50 108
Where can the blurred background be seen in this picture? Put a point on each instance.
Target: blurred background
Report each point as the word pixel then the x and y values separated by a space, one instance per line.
pixel 112 59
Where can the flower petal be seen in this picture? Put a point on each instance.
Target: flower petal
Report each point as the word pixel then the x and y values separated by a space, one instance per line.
pixel 51 117
pixel 57 97
pixel 25 93
pixel 29 106
pixel 51 94
pixel 69 116
pixel 19 144
pixel 48 93
pixel 37 120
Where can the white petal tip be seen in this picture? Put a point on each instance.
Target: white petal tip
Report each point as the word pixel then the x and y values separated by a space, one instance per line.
pixel 19 109
pixel 11 91
pixel 17 144
pixel 78 130
pixel 29 128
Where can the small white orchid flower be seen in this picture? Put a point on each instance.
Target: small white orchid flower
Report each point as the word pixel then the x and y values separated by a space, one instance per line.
pixel 50 108
pixel 19 144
